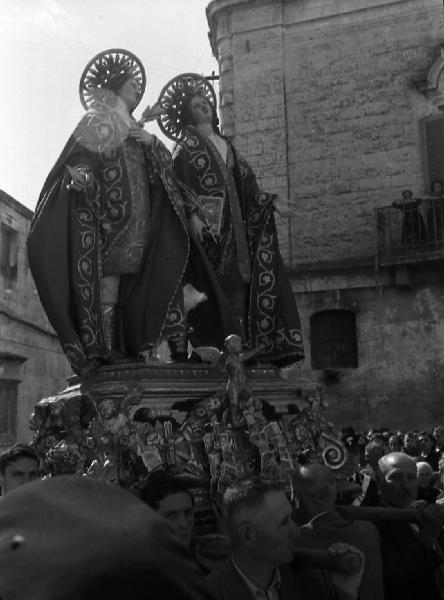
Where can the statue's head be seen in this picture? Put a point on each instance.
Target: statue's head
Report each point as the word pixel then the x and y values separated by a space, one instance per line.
pixel 188 99
pixel 107 409
pixel 233 343
pixel 111 75
pixel 198 110
pixel 128 92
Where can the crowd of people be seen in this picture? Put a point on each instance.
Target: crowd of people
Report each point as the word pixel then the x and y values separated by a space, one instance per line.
pixel 425 447
pixel 269 540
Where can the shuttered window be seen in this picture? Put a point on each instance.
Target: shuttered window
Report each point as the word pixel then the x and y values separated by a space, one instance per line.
pixel 333 339
pixel 8 252
pixel 433 140
pixel 8 411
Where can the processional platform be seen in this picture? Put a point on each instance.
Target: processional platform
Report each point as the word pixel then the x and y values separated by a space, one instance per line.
pixel 162 385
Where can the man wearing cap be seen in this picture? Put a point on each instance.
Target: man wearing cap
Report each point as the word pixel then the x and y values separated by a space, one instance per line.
pixel 72 538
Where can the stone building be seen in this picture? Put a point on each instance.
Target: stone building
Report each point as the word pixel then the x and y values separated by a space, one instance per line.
pixel 337 104
pixel 32 364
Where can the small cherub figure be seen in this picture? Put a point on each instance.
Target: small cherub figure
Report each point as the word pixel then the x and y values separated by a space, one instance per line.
pixel 232 361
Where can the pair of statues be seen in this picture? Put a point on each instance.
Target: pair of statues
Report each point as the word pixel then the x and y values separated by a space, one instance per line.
pixel 122 228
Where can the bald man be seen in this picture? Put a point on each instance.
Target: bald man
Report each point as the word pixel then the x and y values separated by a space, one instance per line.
pixel 408 558
pixel 315 488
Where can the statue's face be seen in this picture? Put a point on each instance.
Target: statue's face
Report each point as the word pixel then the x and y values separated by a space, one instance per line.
pixel 107 409
pixel 201 111
pixel 129 93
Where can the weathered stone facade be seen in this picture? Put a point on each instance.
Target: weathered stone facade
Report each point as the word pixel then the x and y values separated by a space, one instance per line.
pixel 322 97
pixel 30 355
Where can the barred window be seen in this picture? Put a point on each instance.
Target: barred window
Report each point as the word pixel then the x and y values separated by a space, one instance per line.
pixel 333 339
pixel 8 411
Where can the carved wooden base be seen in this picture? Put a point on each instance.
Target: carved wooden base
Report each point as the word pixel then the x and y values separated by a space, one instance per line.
pixel 161 385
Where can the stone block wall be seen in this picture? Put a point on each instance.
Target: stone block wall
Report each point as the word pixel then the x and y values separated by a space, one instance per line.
pixel 325 108
pixel 324 103
pixel 25 331
pixel 399 381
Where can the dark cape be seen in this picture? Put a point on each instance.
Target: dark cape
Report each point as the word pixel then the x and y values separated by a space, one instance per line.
pixel 249 238
pixel 72 231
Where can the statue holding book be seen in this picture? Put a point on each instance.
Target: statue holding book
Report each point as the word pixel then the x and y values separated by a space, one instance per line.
pixel 231 221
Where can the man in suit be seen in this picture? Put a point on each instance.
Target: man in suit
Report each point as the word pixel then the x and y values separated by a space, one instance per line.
pixel 409 557
pixel 315 487
pixel 262 532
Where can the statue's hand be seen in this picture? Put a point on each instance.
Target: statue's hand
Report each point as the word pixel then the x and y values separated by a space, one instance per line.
pixel 140 135
pixel 197 227
pixel 80 179
pixel 152 112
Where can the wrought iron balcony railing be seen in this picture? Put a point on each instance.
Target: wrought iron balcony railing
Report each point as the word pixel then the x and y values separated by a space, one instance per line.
pixel 410 232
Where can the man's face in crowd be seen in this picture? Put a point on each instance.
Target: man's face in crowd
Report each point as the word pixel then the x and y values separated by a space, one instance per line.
pixel 425 443
pixel 398 482
pixel 373 454
pixel 17 473
pixel 409 440
pixel 438 434
pixel 394 445
pixel 178 510
pixel 425 476
pixel 272 531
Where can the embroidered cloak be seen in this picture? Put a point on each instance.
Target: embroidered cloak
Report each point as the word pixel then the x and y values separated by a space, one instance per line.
pixel 73 235
pixel 248 240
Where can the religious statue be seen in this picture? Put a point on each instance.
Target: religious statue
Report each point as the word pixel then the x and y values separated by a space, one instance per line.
pixel 108 244
pixel 231 222
pixel 231 359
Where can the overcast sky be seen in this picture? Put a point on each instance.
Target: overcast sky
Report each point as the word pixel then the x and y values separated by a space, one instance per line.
pixel 45 45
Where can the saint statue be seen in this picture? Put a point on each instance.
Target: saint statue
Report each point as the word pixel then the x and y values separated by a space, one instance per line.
pixel 231 222
pixel 108 244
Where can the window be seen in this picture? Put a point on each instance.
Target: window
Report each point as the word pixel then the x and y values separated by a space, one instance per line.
pixel 8 411
pixel 433 140
pixel 8 253
pixel 333 339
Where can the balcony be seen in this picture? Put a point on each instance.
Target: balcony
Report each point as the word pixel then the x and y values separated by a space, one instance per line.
pixel 410 232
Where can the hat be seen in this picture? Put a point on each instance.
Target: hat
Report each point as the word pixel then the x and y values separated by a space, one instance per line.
pixel 72 538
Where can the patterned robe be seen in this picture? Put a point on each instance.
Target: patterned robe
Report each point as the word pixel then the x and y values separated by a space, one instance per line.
pixel 129 222
pixel 246 251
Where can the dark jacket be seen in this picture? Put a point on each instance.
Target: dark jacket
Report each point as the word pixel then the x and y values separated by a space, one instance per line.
pixel 329 528
pixel 227 584
pixel 409 566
